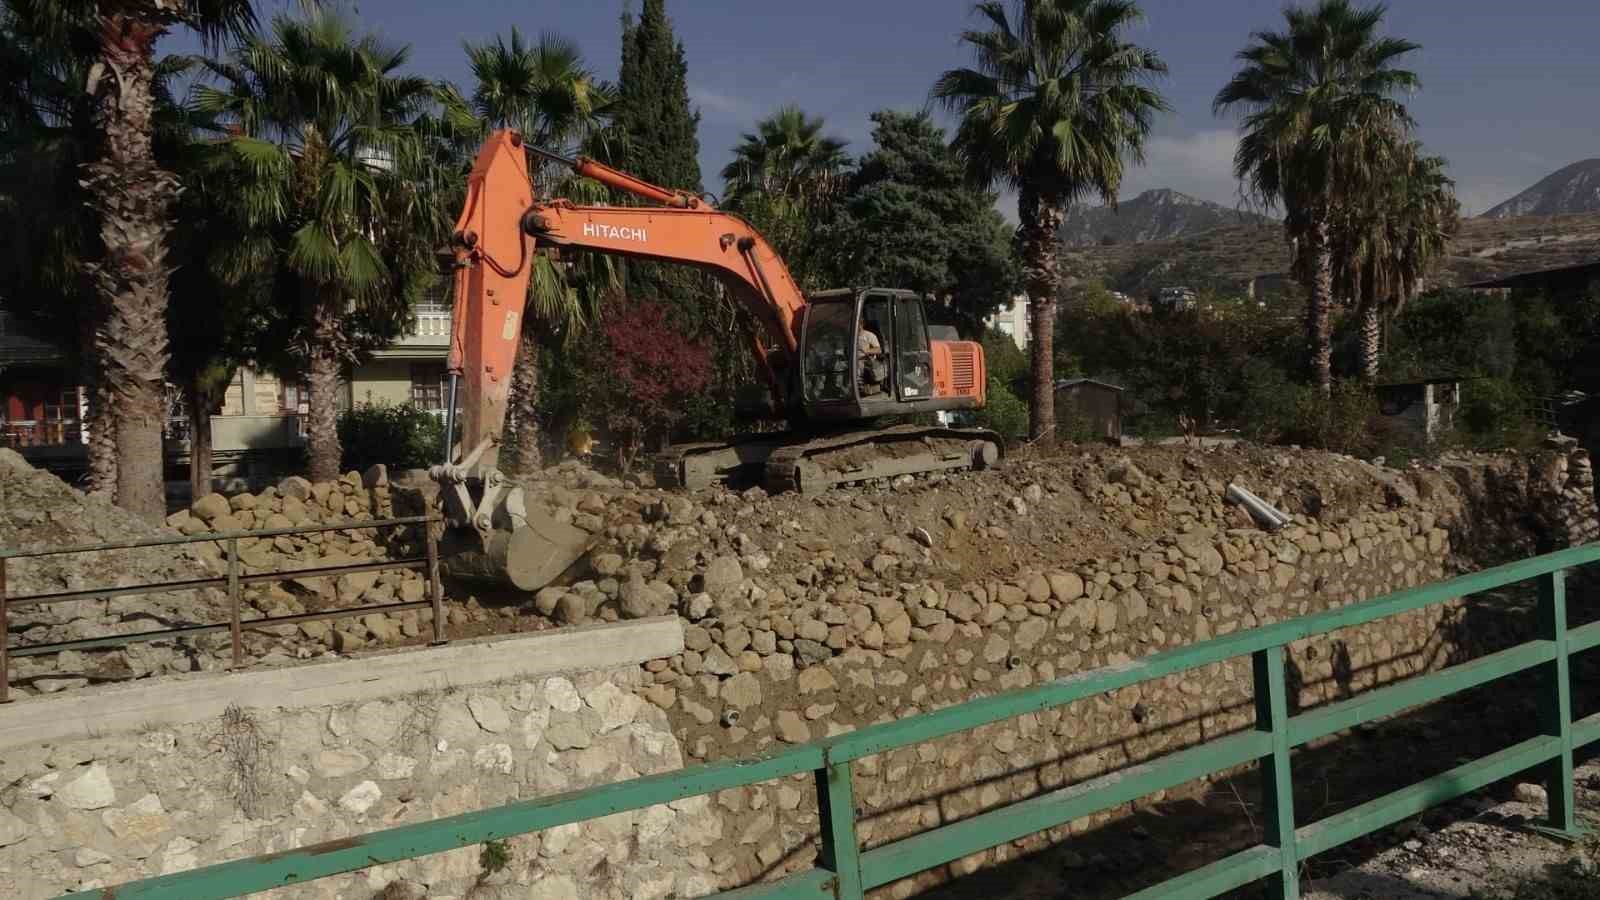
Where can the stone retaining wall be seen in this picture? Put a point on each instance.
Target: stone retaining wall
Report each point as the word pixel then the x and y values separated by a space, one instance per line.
pixel 86 814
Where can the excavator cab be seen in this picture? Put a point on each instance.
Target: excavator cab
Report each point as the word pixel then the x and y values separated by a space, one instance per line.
pixel 865 354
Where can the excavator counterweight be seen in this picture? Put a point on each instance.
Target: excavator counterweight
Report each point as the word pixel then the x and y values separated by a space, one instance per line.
pixel 836 363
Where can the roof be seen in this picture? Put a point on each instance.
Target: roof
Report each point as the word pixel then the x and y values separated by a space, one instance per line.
pixel 17 348
pixel 1539 277
pixel 1074 382
pixel 1442 379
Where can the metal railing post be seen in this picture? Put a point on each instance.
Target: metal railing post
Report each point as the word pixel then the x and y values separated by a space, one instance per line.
pixel 1277 782
pixel 435 589
pixel 840 850
pixel 233 601
pixel 1555 705
pixel 5 640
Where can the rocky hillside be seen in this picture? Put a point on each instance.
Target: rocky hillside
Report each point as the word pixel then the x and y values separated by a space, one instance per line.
pixel 1152 216
pixel 1226 258
pixel 1572 190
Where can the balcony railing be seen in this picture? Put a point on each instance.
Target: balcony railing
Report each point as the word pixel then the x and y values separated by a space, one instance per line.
pixel 19 434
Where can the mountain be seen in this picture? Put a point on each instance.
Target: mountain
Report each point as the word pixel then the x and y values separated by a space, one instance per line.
pixel 1573 190
pixel 1154 215
pixel 1228 258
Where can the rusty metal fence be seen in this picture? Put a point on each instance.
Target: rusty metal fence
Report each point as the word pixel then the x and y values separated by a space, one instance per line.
pixel 233 582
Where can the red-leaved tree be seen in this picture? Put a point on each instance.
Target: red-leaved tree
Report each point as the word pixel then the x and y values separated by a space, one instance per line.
pixel 647 373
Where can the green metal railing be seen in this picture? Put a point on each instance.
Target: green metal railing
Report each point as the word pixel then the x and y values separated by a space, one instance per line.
pixel 844 870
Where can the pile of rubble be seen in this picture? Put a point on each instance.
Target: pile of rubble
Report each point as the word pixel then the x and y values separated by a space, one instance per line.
pixel 38 510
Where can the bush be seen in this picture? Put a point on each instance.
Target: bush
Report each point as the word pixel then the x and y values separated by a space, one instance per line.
pixel 401 437
pixel 1004 414
pixel 1494 416
pixel 1336 423
pixel 652 375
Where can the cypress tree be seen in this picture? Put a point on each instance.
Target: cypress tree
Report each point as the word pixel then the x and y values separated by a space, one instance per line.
pixel 657 140
pixel 661 140
pixel 655 137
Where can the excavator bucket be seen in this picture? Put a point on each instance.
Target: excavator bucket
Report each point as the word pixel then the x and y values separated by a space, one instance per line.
pixel 526 558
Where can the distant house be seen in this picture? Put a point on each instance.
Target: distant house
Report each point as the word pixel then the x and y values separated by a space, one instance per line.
pixel 1012 320
pixel 260 428
pixel 1429 406
pixel 41 404
pixel 1562 282
pixel 1093 405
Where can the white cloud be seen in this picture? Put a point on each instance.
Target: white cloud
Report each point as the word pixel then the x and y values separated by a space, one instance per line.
pixel 1200 164
pixel 1477 196
pixel 718 106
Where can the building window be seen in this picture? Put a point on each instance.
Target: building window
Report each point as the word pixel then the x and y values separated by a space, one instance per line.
pixel 427 386
pixel 295 399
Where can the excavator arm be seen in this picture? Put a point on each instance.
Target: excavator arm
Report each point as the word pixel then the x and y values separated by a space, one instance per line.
pixel 502 223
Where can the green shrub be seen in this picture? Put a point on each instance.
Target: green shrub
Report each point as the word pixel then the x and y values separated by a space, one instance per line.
pixel 401 437
pixel 1494 415
pixel 1336 423
pixel 1004 414
pixel 494 856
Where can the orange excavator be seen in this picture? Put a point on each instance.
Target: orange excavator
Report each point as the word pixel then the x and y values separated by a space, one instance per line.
pixel 836 363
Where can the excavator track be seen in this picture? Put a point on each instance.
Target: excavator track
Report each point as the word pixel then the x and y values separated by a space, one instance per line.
pixel 700 465
pixel 814 465
pixel 810 463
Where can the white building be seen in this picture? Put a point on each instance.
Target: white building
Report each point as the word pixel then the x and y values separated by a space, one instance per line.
pixel 1012 320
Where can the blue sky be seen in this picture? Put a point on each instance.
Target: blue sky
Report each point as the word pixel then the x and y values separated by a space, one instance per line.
pixel 1509 89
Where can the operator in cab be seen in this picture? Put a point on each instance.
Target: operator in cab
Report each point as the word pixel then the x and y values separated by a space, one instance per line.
pixel 869 354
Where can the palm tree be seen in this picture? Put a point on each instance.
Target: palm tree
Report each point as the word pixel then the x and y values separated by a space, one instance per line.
pixel 787 157
pixel 545 91
pixel 323 132
pixel 1318 98
pixel 1057 103
pixel 132 196
pixel 1388 238
pixel 785 178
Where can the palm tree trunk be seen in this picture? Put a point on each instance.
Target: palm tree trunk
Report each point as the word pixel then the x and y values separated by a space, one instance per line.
pixel 1319 303
pixel 322 383
pixel 1371 340
pixel 133 197
pixel 99 424
pixel 519 452
pixel 200 402
pixel 1041 221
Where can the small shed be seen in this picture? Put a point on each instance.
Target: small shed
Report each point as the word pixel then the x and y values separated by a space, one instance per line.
pixel 1090 405
pixel 1429 405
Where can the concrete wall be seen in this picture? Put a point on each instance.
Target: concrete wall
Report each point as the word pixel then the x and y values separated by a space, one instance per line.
pixel 382 381
pixel 353 747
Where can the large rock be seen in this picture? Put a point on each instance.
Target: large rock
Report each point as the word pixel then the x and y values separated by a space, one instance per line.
pixel 91 790
pixel 296 487
pixel 742 691
pixel 640 601
pixel 211 507
pixel 723 576
pixel 488 712
pixel 12 829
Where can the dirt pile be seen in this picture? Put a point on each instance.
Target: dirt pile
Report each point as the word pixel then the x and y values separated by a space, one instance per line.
pixel 39 510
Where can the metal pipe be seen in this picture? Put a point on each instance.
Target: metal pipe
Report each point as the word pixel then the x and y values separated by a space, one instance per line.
pixel 233 602
pixel 215 536
pixel 450 419
pixel 5 639
pixel 190 630
pixel 435 589
pixel 1269 518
